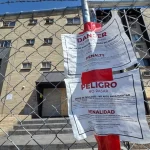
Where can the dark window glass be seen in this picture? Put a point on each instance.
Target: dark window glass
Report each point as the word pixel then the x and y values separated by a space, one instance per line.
pixel 49 21
pixel 33 21
pixel 144 62
pixel 30 41
pixel 9 23
pixel 73 21
pixel 5 43
pixel 48 41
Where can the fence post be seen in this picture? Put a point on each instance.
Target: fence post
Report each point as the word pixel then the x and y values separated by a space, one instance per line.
pixel 110 142
pixel 85 11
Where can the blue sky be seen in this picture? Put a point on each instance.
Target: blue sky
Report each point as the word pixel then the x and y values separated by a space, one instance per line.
pixel 17 7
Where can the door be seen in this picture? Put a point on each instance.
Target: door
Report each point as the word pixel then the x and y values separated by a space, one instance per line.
pixel 52 103
pixel 64 101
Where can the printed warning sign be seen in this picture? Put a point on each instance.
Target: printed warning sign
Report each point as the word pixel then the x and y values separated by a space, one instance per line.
pixel 109 48
pixel 108 107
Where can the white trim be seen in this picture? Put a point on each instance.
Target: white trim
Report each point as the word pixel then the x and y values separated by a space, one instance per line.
pixel 118 3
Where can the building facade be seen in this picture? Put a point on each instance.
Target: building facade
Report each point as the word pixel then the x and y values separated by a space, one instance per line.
pixel 35 50
pixel 32 58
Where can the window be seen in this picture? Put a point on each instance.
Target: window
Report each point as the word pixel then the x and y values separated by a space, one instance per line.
pixel 5 43
pixel 49 21
pixel 131 18
pixel 30 41
pixel 144 62
pixel 9 23
pixel 73 21
pixel 46 65
pixel 146 73
pixel 137 38
pixel 48 41
pixel 33 22
pixel 26 65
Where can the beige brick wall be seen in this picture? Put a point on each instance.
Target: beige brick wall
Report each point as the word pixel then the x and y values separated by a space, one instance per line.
pixel 15 78
pixel 147 91
pixel 146 15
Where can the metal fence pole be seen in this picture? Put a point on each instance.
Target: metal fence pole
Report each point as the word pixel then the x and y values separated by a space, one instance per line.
pixel 110 142
pixel 85 11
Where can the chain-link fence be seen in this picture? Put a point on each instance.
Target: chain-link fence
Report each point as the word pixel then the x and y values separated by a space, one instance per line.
pixel 34 113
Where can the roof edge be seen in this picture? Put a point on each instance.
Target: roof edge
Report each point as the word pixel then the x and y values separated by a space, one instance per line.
pixel 41 13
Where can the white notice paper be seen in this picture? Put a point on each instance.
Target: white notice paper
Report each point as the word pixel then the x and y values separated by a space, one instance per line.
pixel 108 107
pixel 9 97
pixel 109 48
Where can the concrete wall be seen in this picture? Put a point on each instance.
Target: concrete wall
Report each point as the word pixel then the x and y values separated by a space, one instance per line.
pixel 146 14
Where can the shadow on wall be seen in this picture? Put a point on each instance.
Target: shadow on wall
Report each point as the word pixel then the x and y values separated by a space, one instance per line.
pixel 4 59
pixel 48 81
pixel 31 108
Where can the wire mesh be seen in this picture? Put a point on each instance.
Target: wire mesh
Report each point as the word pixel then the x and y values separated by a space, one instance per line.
pixel 34 113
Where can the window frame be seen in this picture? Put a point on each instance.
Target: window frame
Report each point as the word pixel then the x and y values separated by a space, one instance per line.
pixel 31 22
pixel 73 22
pixel 30 43
pixel 28 68
pixel 8 23
pixel 46 67
pixel 3 42
pixel 49 22
pixel 48 43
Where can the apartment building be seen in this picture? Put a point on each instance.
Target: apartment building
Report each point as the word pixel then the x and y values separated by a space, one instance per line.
pixel 32 58
pixel 32 80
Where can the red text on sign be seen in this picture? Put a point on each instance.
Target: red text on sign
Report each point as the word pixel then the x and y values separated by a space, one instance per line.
pixel 99 85
pixel 101 35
